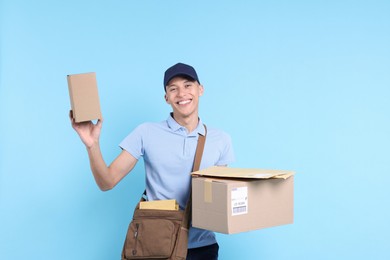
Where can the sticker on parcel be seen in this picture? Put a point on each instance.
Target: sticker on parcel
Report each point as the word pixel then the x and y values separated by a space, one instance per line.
pixel 239 201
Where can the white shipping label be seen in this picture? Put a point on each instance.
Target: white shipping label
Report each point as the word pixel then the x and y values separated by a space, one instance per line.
pixel 239 201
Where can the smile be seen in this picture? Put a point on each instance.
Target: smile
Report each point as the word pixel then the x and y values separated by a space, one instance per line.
pixel 184 102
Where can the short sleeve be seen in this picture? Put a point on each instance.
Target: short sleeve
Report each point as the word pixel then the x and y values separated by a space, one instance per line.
pixel 227 153
pixel 133 143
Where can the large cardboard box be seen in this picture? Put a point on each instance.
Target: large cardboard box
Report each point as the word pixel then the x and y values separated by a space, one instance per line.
pixel 84 97
pixel 233 200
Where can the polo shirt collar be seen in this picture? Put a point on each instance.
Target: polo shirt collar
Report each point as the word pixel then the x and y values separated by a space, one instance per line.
pixel 172 124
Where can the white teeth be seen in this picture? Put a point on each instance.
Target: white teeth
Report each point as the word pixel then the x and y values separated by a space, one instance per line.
pixel 184 102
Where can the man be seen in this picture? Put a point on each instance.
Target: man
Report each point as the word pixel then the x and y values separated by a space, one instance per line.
pixel 168 149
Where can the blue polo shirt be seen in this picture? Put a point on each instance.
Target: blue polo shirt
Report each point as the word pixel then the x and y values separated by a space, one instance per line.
pixel 168 152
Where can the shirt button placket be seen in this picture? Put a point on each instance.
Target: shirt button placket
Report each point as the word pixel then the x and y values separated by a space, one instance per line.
pixel 185 152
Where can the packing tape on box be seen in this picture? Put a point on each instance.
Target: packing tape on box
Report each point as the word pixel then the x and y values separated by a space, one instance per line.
pixel 208 190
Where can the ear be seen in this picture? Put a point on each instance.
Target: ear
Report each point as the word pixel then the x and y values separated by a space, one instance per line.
pixel 166 99
pixel 201 90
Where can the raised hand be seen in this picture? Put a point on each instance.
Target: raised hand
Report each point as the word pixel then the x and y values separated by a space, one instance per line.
pixel 88 131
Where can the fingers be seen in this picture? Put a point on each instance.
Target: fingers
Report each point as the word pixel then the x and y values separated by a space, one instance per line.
pixel 72 121
pixel 83 124
pixel 76 125
pixel 99 122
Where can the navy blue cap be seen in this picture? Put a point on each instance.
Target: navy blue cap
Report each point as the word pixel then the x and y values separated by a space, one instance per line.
pixel 180 69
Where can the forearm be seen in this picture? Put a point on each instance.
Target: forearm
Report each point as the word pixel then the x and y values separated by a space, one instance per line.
pixel 99 168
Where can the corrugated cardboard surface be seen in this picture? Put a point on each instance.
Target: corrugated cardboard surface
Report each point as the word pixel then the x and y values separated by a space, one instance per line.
pixel 269 202
pixel 84 97
pixel 245 173
pixel 159 204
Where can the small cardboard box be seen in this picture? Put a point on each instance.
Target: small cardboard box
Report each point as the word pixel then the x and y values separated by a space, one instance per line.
pixel 159 204
pixel 233 200
pixel 84 98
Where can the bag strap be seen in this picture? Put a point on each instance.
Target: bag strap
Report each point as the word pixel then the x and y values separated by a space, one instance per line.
pixel 195 167
pixel 199 150
pixel 197 160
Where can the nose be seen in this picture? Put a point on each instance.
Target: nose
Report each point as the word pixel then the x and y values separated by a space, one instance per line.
pixel 181 92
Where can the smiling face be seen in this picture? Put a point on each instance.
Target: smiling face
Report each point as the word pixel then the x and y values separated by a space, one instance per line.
pixel 183 96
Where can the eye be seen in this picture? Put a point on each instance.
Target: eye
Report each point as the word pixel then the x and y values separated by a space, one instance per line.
pixel 172 89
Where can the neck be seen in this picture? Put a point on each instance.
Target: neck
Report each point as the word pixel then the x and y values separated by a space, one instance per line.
pixel 190 123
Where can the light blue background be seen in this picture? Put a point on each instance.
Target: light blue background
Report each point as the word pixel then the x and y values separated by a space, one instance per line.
pixel 299 85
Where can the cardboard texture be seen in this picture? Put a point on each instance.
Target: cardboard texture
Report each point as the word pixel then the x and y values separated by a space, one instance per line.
pixel 234 200
pixel 159 204
pixel 84 97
